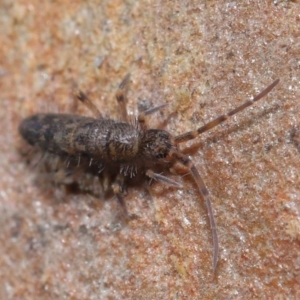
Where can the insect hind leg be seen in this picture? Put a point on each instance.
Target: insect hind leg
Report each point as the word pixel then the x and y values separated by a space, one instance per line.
pixel 83 98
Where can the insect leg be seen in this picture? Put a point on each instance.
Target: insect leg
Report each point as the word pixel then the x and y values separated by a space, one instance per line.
pixel 117 188
pixel 186 161
pixel 142 115
pixel 161 178
pixel 83 98
pixel 192 134
pixel 121 96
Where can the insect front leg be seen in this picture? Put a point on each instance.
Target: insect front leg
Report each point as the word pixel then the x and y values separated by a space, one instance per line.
pixel 159 177
pixel 142 116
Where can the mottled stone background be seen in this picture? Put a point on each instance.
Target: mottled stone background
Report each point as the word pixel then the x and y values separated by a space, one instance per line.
pixel 202 58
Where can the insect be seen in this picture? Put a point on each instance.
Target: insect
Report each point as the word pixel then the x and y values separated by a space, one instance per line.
pixel 126 147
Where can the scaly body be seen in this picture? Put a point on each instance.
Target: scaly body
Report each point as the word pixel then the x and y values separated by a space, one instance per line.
pixel 122 145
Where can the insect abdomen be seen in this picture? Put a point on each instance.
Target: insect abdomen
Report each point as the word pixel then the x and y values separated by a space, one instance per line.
pixel 102 139
pixel 50 132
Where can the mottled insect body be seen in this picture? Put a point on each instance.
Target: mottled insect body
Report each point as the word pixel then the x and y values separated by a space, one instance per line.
pixel 124 148
pixel 100 139
pixel 97 141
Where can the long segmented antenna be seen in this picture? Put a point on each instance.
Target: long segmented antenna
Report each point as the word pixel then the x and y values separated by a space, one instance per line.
pixel 186 161
pixel 204 192
pixel 192 134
